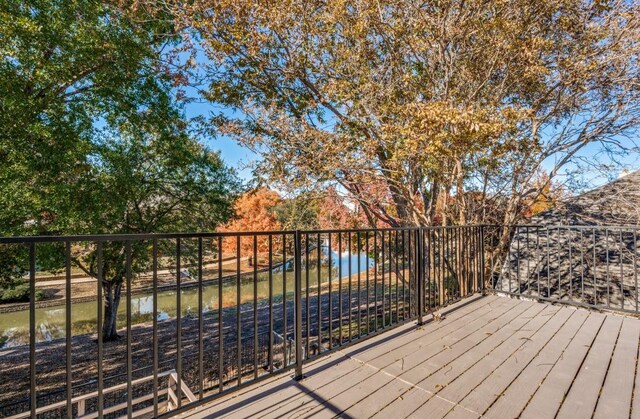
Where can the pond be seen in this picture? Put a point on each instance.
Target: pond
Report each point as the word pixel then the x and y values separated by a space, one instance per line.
pixel 50 321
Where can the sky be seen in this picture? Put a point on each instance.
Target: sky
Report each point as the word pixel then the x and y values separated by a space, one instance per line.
pixel 234 154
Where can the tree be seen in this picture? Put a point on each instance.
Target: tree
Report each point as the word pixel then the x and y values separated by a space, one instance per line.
pixel 254 211
pixel 140 184
pixel 299 212
pixel 335 212
pixel 433 99
pixel 68 68
pixel 551 193
pixel 92 140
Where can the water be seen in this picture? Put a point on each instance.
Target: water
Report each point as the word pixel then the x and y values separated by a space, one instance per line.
pixel 50 321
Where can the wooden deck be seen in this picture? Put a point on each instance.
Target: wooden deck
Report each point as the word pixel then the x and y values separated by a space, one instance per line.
pixel 490 356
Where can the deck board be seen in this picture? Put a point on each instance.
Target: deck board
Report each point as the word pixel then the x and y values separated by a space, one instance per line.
pixel 617 391
pixel 547 398
pixel 484 395
pixel 635 404
pixel 449 368
pixel 462 385
pixel 416 362
pixel 492 356
pixel 447 365
pixel 515 397
pixel 583 394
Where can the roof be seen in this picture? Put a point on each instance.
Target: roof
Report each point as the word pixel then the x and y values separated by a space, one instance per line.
pixel 615 203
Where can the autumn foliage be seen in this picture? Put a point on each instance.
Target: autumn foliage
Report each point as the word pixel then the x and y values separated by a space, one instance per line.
pixel 451 106
pixel 550 194
pixel 254 211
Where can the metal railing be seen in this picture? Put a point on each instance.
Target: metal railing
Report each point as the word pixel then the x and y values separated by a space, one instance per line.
pixel 590 266
pixel 224 310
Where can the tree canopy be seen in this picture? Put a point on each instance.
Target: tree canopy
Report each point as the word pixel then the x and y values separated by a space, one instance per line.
pixel 92 139
pixel 425 99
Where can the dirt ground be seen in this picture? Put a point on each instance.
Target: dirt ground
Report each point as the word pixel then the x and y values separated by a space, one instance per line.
pixel 51 361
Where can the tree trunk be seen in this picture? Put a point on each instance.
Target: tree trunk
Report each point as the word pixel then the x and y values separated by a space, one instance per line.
pixel 111 291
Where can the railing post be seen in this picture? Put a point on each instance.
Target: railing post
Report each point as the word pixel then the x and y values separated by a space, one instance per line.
pixel 481 285
pixel 420 273
pixel 298 303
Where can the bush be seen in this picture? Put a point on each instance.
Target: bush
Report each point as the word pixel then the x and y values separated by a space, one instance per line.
pixel 18 292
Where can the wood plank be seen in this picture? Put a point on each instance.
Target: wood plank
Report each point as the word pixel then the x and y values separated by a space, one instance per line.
pixel 291 395
pixel 341 401
pixel 404 404
pixel 483 396
pixel 386 394
pixel 324 371
pixel 315 384
pixel 447 366
pixel 497 357
pixel 583 394
pixel 617 391
pixel 326 393
pixel 499 327
pixel 548 397
pixel 378 384
pixel 514 399
pixel 406 341
pixel 398 362
pixel 456 389
pixel 317 387
pixel 318 379
pixel 635 404
pixel 378 400
pixel 439 405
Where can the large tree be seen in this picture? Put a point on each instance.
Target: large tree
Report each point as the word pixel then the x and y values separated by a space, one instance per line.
pixel 146 183
pixel 69 69
pixel 92 140
pixel 430 99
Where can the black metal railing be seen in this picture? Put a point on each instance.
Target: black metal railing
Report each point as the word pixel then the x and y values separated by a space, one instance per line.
pixel 591 266
pixel 205 314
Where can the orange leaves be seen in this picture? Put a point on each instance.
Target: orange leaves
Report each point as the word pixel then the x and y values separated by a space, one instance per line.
pixel 255 211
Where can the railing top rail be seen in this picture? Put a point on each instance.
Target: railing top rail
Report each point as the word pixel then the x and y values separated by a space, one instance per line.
pixel 160 236
pixel 195 235
pixel 357 230
pixel 136 236
pixel 569 226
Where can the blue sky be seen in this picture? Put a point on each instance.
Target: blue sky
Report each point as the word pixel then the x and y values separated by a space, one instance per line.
pixel 232 153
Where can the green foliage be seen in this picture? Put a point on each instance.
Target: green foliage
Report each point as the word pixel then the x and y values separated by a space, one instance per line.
pixel 300 212
pixel 92 140
pixel 66 69
pixel 18 292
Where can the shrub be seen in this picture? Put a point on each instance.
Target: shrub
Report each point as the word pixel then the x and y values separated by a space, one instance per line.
pixel 18 292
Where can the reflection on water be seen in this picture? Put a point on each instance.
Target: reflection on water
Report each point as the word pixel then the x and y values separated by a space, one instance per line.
pixel 50 321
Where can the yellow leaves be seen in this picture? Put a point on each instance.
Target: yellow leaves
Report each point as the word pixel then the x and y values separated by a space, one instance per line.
pixel 446 129
pixel 353 89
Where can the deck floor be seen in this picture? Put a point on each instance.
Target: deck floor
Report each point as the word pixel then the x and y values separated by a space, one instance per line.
pixel 491 356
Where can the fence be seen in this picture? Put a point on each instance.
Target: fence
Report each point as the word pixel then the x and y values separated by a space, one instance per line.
pixel 206 314
pixel 595 267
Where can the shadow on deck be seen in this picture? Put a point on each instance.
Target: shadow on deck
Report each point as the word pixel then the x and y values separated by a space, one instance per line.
pixel 494 356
